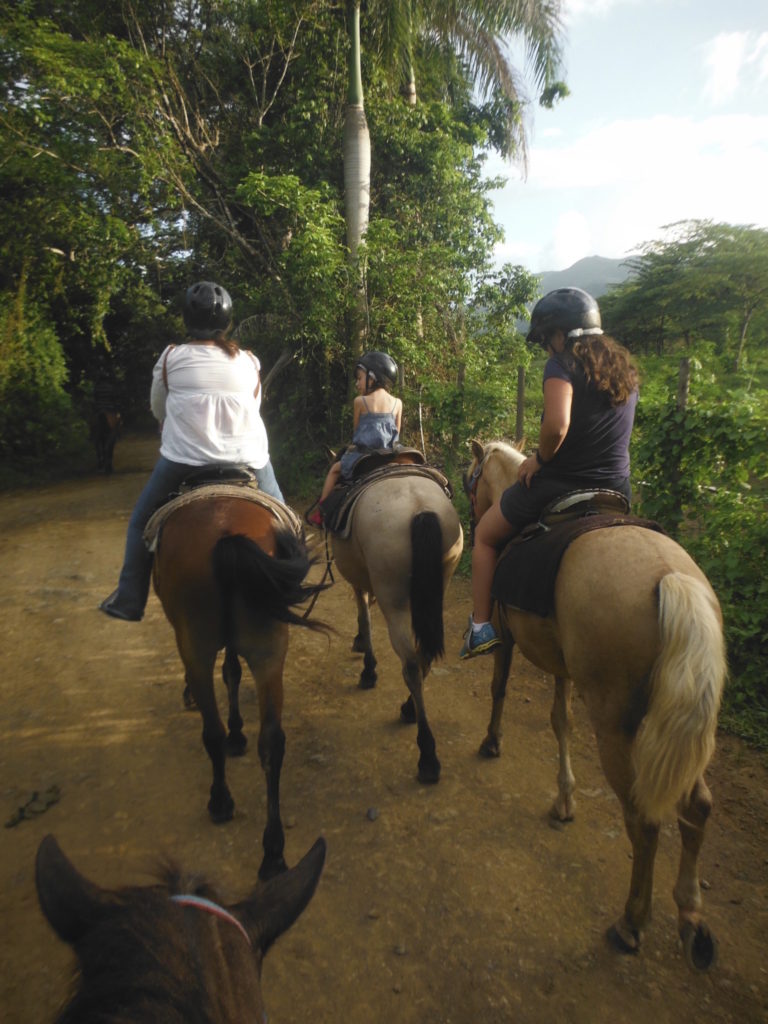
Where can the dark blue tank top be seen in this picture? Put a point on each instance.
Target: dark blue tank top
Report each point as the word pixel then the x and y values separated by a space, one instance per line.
pixel 596 446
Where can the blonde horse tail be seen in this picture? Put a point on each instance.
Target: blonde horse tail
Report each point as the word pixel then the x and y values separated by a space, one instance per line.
pixel 427 585
pixel 677 736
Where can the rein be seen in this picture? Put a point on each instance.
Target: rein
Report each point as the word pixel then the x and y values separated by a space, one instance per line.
pixel 201 903
pixel 471 489
pixel 328 572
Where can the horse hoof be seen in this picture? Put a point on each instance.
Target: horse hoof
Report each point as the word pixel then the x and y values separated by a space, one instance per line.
pixel 221 811
pixel 699 946
pixel 236 745
pixel 622 938
pixel 490 748
pixel 408 712
pixel 559 814
pixel 367 682
pixel 429 774
pixel 357 645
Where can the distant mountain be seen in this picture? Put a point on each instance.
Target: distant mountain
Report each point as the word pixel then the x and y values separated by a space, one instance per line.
pixel 595 274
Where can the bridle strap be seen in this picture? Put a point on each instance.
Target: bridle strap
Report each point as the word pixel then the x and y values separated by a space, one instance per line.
pixel 201 903
pixel 472 494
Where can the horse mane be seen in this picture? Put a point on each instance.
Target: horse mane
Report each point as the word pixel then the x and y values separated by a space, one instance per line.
pixel 136 963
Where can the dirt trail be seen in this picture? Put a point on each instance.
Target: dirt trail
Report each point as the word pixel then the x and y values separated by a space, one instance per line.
pixel 452 904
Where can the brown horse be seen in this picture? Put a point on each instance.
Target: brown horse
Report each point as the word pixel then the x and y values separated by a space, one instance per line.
pixel 168 952
pixel 105 431
pixel 403 544
pixel 637 628
pixel 227 574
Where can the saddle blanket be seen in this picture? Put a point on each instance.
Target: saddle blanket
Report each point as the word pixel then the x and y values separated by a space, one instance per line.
pixel 527 568
pixel 339 505
pixel 284 515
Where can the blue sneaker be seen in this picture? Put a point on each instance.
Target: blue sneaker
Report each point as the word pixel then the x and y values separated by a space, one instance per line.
pixel 482 642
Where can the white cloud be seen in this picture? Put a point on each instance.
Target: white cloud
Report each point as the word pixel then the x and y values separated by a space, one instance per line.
pixel 616 186
pixel 724 58
pixel 734 61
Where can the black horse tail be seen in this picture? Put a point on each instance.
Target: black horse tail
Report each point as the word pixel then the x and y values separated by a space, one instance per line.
pixel 268 585
pixel 427 585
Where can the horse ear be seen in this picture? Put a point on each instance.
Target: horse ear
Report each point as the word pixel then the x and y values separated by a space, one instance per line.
pixel 69 901
pixel 277 904
pixel 477 449
pixel 330 454
pixel 519 445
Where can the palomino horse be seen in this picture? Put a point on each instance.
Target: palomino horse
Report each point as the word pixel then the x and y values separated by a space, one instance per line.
pixel 227 571
pixel 404 542
pixel 637 628
pixel 168 952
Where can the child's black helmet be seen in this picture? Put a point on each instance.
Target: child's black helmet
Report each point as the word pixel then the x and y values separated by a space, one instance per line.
pixel 207 307
pixel 571 310
pixel 379 365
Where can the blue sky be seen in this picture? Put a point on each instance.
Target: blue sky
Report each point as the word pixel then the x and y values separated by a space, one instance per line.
pixel 667 120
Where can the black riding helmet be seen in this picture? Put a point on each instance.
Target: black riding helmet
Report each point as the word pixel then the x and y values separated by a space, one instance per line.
pixel 207 309
pixel 571 310
pixel 380 368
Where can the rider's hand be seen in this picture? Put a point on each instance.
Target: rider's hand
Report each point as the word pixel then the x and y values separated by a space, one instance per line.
pixel 528 470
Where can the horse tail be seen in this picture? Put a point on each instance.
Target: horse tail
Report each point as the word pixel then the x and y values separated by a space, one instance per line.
pixel 427 585
pixel 677 736
pixel 269 585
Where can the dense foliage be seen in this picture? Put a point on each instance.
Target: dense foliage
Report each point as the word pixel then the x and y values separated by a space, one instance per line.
pixel 147 145
pixel 699 300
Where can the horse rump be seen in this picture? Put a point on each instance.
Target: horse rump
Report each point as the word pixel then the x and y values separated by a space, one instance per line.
pixel 270 585
pixel 427 585
pixel 676 739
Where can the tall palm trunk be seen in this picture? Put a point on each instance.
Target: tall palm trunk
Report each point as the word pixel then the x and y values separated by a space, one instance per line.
pixel 357 174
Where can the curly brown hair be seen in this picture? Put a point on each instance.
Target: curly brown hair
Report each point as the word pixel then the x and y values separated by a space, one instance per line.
pixel 608 365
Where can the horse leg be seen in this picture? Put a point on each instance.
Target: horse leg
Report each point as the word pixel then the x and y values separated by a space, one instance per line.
pixel 266 661
pixel 363 641
pixel 615 751
pixel 502 662
pixel 199 677
pixel 237 742
pixel 561 718
pixel 429 765
pixel 699 945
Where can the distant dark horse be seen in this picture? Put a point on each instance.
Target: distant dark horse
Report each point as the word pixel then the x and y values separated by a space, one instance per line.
pixel 105 430
pixel 228 572
pixel 168 952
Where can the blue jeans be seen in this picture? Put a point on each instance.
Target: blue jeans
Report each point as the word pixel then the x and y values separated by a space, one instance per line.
pixel 136 574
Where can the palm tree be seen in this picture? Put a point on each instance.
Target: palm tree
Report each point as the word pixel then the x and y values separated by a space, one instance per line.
pixel 476 30
pixel 357 170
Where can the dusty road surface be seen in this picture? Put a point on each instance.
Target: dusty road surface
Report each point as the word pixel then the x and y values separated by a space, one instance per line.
pixel 455 903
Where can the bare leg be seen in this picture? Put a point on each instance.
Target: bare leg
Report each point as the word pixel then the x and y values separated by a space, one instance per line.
pixel 490 533
pixel 331 479
pixel 561 718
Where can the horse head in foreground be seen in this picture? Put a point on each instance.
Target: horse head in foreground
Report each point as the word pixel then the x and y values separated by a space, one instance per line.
pixel 168 952
pixel 228 570
pixel 636 626
pixel 401 547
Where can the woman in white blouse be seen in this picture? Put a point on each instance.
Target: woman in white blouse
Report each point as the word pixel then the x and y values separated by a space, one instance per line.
pixel 206 392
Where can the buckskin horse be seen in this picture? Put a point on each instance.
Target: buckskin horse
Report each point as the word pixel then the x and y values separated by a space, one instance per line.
pixel 637 629
pixel 169 951
pixel 228 569
pixel 402 543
